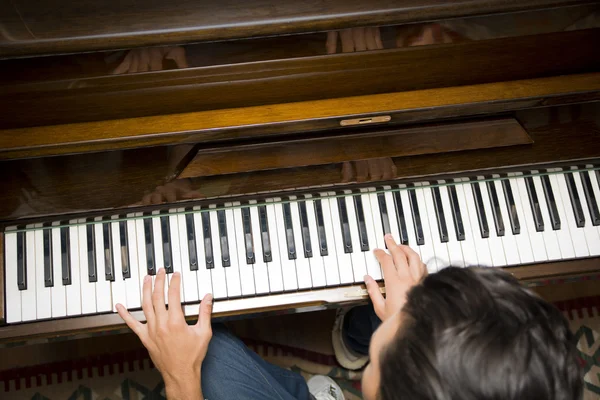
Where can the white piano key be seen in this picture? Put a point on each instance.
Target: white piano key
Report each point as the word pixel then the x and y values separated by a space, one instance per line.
pixel 317 266
pixel 591 232
pixel 260 271
pixel 302 263
pixel 217 274
pixel 468 245
pixel 13 294
pixel 440 248
pixel 482 246
pixel 232 273
pixel 344 260
pixel 103 290
pixel 175 250
pixel 28 300
pixel 203 276
pixel 429 249
pixel 569 226
pixel 565 240
pixel 330 261
pixel 59 292
pixel 246 270
pixel 379 242
pixel 142 261
pixel 359 263
pixel 495 241
pixel 43 293
pixel 288 267
pixel 189 278
pixel 74 289
pixel 536 238
pixel 410 223
pixel 509 240
pixel 88 289
pixel 522 239
pixel 119 295
pixel 371 211
pixel 550 239
pixel 454 249
pixel 132 284
pixel 274 268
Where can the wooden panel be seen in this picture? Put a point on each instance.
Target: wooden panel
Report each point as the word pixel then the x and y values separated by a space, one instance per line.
pixel 42 99
pixel 556 269
pixel 58 26
pixel 281 118
pixel 440 138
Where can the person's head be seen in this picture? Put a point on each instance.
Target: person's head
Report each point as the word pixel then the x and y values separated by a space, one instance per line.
pixel 473 334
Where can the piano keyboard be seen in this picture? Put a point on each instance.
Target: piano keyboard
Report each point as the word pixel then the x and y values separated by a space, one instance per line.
pixel 282 245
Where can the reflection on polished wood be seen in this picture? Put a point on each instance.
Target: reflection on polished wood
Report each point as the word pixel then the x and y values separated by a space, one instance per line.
pixel 293 117
pixel 440 138
pixel 58 26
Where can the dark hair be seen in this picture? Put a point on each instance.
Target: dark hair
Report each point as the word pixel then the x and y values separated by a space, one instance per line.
pixel 477 334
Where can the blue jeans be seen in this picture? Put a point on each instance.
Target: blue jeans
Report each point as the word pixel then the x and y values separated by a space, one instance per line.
pixel 231 371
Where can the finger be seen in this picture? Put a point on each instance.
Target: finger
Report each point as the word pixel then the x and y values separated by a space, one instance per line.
pixel 175 310
pixel 144 60
pixel 124 66
pixel 399 257
pixel 358 34
pixel 147 306
pixel 376 297
pixel 362 170
pixel 136 326
pixel 389 168
pixel 192 195
pixel 347 172
pixel 347 41
pixel 331 44
pixel 166 193
pixel 370 38
pixel 156 198
pixel 158 295
pixel 135 62
pixel 375 170
pixel 147 199
pixel 378 41
pixel 177 54
pixel 205 315
pixel 155 59
pixel 387 265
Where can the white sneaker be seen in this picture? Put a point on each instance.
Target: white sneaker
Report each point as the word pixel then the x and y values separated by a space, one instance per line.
pixel 324 388
pixel 346 357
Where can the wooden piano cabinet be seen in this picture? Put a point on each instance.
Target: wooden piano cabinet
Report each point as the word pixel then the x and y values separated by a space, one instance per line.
pixel 431 139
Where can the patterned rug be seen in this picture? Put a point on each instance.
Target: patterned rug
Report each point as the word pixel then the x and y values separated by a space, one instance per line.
pixel 130 375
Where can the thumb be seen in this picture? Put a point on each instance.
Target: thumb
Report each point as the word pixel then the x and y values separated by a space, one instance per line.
pixel 376 296
pixel 204 315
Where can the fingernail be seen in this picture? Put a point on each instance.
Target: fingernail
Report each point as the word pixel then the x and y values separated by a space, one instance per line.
pixel 367 279
pixel 147 278
pixel 118 307
pixel 388 236
pixel 208 298
pixel 161 271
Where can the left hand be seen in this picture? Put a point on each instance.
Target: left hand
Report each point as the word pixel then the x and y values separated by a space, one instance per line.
pixel 176 348
pixel 151 59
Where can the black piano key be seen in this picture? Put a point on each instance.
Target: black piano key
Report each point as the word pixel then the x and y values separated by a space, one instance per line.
pixel 400 219
pixel 124 250
pixel 590 198
pixel 109 271
pixel 265 239
pixel 362 225
pixel 414 209
pixel 149 242
pixel 65 255
pixel 166 243
pixel 344 225
pixel 575 201
pixel 385 218
pixel 223 240
pixel 496 210
pixel 512 207
pixel 321 228
pixel 91 253
pixel 535 204
pixel 551 202
pixel 289 231
pixel 48 267
pixel 456 214
pixel 21 261
pixel 191 241
pixel 208 249
pixel 248 239
pixel 484 228
pixel 305 229
pixel 439 214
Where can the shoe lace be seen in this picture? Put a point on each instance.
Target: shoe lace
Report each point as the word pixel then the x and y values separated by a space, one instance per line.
pixel 328 394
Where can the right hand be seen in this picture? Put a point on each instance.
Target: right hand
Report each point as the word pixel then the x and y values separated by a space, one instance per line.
pixel 402 269
pixel 151 59
pixel 354 39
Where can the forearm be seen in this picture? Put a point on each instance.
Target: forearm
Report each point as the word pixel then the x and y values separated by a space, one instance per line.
pixel 184 388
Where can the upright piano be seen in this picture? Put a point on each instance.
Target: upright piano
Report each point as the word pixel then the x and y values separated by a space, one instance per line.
pixel 263 149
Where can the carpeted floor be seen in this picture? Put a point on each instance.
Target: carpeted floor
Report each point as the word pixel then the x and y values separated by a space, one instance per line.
pixel 116 367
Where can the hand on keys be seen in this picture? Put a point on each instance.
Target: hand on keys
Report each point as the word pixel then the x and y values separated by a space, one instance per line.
pixel 402 269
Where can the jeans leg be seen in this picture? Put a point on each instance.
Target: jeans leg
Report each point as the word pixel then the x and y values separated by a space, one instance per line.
pixel 232 371
pixel 359 324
